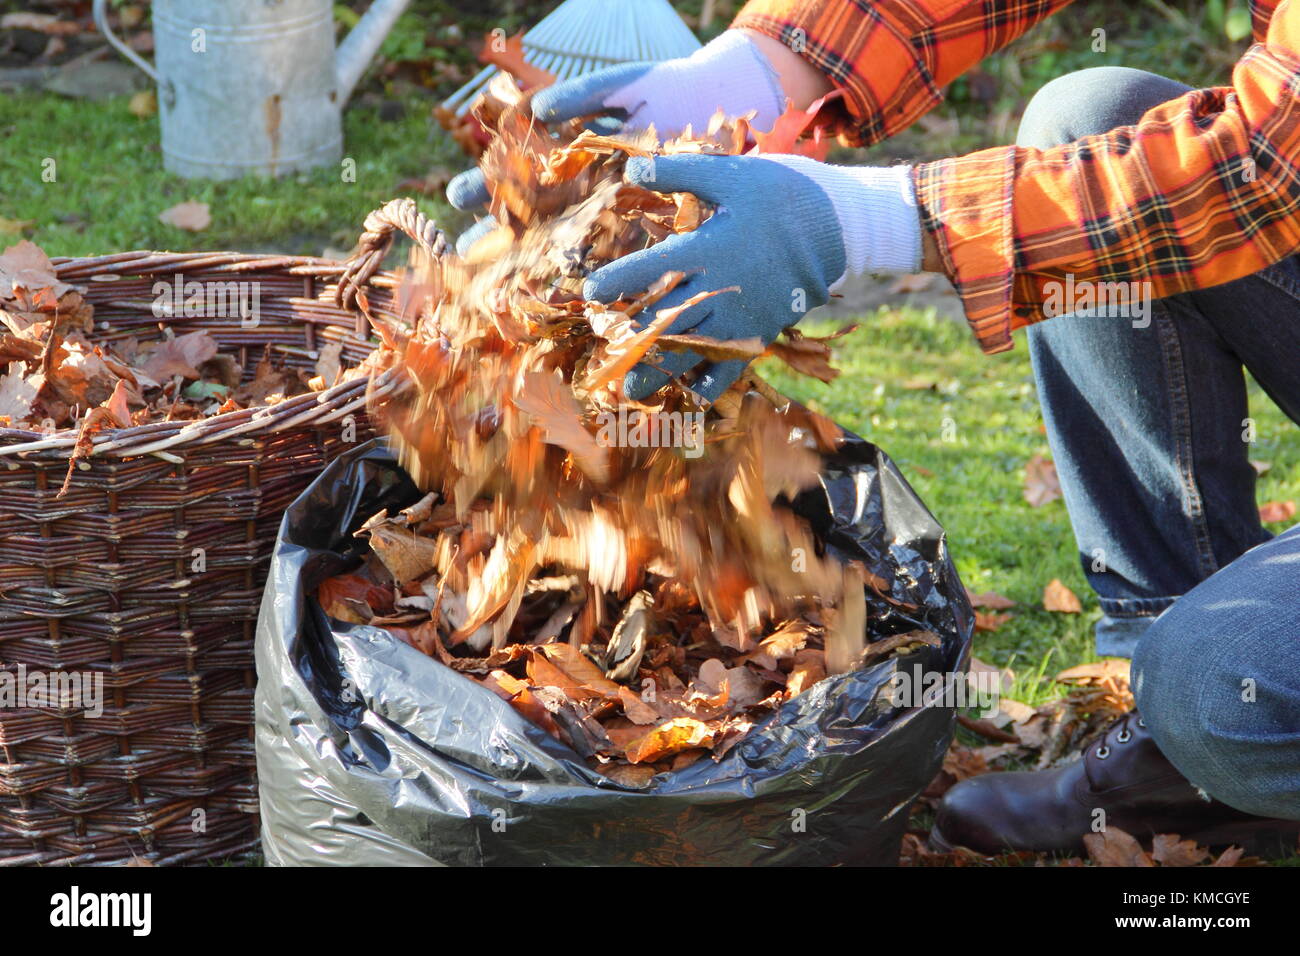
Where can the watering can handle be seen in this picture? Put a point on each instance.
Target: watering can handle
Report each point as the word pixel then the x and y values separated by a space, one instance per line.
pixel 396 214
pixel 101 21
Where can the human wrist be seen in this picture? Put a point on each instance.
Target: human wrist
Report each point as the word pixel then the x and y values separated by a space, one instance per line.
pixel 801 82
pixel 876 210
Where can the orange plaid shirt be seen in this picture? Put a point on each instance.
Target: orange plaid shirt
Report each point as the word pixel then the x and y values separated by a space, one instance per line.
pixel 1202 190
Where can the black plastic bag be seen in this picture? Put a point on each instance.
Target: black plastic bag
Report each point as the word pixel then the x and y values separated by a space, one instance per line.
pixel 371 753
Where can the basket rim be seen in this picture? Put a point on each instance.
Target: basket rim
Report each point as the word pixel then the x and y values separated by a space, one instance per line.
pixel 160 439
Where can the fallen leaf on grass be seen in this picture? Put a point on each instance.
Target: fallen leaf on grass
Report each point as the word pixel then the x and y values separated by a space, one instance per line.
pixel 1041 483
pixel 959 763
pixel 1112 668
pixel 1059 599
pixel 1168 850
pixel 46 23
pixel 989 622
pixel 1276 511
pixel 143 104
pixel 1114 847
pixel 191 216
pixel 989 599
pixel 1005 675
pixel 1232 856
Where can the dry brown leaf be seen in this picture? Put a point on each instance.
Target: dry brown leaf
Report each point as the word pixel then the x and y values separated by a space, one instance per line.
pixel 1111 668
pixel 1232 856
pixel 1041 483
pixel 1059 599
pixel 989 622
pixel 672 737
pixel 1168 850
pixel 45 23
pixel 191 216
pixel 16 394
pixel 180 356
pixel 1114 847
pixel 352 598
pixel 508 54
pixel 329 366
pixel 550 404
pixel 1276 511
pixel 24 267
pixel 990 600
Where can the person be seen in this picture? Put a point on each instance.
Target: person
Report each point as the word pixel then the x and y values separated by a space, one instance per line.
pixel 1119 179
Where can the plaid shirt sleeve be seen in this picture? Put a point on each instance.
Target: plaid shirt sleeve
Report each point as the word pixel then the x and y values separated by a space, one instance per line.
pixel 1202 190
pixel 892 57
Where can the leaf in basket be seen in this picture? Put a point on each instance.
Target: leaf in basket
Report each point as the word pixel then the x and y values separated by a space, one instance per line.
pixel 78 375
pixel 269 384
pixel 329 366
pixel 118 404
pixel 16 394
pixel 13 348
pixel 112 414
pixel 181 356
pixel 24 267
pixel 191 216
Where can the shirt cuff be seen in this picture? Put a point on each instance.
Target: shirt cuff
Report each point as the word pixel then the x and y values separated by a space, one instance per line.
pixel 966 206
pixel 865 50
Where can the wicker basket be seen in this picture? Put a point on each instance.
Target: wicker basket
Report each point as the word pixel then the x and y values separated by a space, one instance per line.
pixel 105 580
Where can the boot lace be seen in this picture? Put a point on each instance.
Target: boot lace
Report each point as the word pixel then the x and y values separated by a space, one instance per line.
pixel 1121 729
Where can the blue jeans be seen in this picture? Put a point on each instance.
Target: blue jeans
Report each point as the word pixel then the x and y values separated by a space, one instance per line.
pixel 1150 429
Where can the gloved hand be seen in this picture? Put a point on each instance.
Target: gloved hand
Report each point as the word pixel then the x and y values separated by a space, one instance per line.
pixel 730 73
pixel 787 230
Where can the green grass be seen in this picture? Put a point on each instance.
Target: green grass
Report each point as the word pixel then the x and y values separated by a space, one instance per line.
pixel 974 483
pixel 110 185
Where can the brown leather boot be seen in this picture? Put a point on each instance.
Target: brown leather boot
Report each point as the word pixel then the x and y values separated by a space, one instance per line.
pixel 1125 775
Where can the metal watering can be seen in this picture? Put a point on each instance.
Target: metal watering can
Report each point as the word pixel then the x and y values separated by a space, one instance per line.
pixel 254 86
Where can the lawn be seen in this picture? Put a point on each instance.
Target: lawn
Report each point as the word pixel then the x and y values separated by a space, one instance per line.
pixel 904 372
pixel 905 375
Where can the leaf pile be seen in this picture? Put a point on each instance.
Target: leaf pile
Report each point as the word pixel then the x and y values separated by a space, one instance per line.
pixel 646 600
pixel 54 377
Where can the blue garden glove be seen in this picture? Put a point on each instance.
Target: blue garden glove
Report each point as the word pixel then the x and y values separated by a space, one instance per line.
pixel 730 74
pixel 787 230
